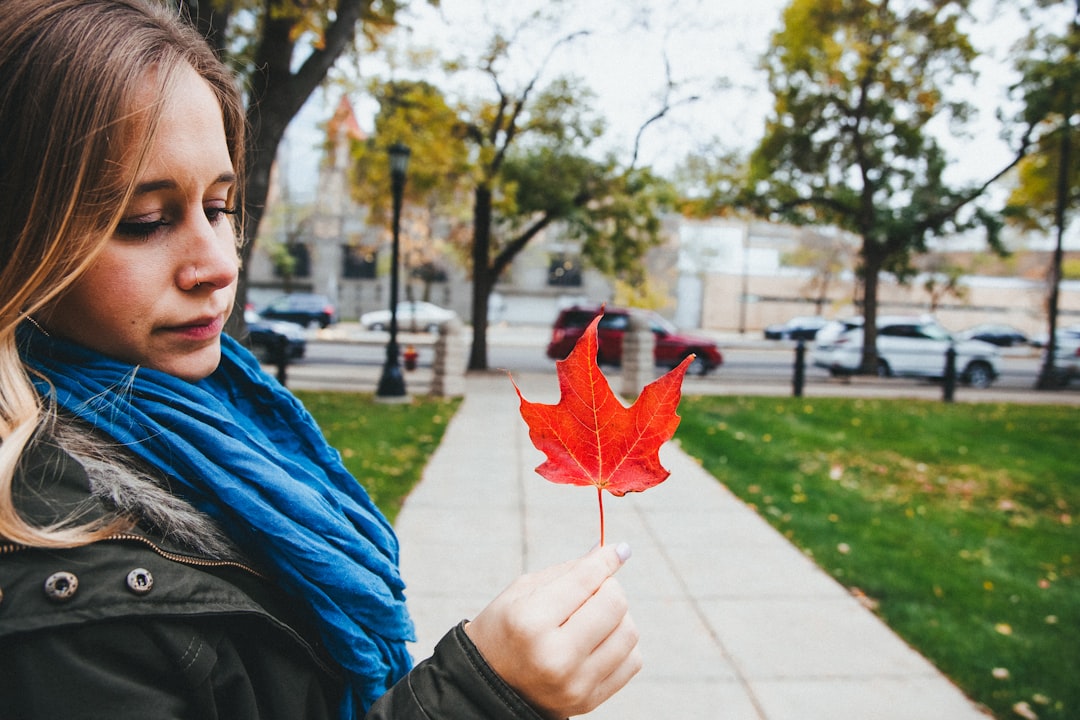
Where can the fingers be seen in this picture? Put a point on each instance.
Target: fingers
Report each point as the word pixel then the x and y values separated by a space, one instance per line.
pixel 562 637
pixel 612 664
pixel 578 680
pixel 596 618
pixel 571 584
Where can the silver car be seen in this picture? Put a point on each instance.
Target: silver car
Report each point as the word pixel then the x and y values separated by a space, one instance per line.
pixel 412 315
pixel 907 346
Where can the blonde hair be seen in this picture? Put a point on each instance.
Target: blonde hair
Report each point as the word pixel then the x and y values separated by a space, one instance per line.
pixel 70 71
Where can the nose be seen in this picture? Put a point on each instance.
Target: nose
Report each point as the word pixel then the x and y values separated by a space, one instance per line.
pixel 210 258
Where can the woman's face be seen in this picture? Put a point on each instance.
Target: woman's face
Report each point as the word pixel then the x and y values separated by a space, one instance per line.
pixel 159 293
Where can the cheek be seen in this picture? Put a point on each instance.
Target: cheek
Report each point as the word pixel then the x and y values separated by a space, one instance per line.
pixel 113 294
pixel 114 285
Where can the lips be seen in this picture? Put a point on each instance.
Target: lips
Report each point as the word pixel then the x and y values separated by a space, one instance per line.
pixel 201 328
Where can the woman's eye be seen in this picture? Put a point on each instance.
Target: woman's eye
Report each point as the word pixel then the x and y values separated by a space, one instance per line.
pixel 218 214
pixel 139 228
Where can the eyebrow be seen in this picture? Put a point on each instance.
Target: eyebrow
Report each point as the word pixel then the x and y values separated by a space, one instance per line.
pixel 167 184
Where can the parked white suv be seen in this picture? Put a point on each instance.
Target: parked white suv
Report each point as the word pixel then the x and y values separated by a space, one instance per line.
pixel 912 346
pixel 1067 354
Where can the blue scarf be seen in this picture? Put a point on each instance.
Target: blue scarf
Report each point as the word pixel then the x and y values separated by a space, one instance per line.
pixel 246 452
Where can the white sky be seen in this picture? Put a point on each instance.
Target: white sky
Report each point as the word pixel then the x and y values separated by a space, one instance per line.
pixel 622 60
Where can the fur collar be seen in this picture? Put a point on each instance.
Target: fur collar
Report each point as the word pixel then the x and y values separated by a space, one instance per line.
pixel 122 486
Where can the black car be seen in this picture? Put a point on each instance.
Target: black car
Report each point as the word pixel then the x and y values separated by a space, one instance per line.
pixel 267 337
pixel 305 309
pixel 797 328
pixel 995 334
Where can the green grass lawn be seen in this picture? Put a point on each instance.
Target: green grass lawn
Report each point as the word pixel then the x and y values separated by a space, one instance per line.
pixel 957 521
pixel 385 446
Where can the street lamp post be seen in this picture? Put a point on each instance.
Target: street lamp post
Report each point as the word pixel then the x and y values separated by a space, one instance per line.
pixel 392 382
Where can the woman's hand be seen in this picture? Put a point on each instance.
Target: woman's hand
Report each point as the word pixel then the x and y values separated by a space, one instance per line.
pixel 562 637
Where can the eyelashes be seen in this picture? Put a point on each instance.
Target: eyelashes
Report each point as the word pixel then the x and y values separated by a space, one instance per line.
pixel 139 230
pixel 142 229
pixel 216 215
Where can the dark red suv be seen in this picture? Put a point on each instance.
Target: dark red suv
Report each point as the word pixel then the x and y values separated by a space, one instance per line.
pixel 671 345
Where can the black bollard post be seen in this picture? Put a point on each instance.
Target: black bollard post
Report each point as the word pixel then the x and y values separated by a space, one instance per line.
pixel 280 355
pixel 800 368
pixel 949 389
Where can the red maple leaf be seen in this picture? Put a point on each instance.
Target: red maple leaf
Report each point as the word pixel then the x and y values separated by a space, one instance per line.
pixel 591 438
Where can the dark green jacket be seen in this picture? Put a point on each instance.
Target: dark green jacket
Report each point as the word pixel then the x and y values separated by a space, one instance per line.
pixel 130 627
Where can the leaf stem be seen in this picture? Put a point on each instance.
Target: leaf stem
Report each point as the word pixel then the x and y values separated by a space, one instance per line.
pixel 600 499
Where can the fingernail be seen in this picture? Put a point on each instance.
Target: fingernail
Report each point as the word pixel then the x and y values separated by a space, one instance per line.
pixel 623 551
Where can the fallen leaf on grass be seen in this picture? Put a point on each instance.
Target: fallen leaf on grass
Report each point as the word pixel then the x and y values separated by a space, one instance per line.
pixel 1023 709
pixel 863 599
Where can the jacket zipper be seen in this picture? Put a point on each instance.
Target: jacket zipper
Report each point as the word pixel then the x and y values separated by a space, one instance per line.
pixel 9 548
pixel 186 559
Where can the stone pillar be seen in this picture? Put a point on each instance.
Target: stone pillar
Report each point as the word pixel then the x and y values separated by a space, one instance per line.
pixel 638 361
pixel 449 362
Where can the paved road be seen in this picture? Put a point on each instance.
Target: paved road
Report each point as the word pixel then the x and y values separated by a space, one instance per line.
pixel 344 357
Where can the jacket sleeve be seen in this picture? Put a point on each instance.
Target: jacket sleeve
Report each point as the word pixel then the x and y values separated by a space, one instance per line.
pixel 454 683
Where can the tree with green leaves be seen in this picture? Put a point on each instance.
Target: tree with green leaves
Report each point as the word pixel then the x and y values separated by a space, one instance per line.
pixel 283 50
pixel 857 86
pixel 520 157
pixel 416 113
pixel 1047 190
pixel 534 170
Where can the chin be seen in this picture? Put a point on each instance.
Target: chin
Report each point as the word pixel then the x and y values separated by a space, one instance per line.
pixel 196 366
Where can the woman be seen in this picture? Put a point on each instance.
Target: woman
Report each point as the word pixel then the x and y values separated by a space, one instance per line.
pixel 176 538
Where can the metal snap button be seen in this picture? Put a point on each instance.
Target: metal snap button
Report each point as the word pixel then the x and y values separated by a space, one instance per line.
pixel 61 586
pixel 140 581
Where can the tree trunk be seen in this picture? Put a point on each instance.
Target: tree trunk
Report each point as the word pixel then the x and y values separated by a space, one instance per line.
pixel 871 269
pixel 262 149
pixel 276 95
pixel 482 280
pixel 1048 375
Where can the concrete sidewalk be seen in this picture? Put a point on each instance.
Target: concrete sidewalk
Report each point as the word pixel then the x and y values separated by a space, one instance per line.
pixel 736 624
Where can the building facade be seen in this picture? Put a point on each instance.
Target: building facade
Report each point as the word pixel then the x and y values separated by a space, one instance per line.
pixel 718 274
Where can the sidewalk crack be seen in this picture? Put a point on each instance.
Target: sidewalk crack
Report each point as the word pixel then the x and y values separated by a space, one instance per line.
pixel 699 613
